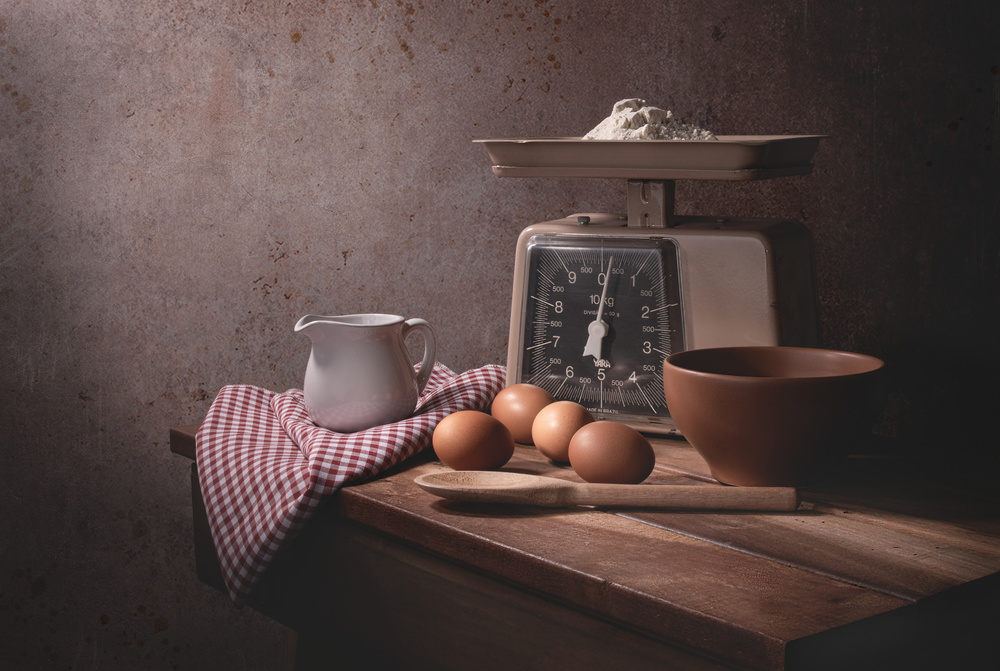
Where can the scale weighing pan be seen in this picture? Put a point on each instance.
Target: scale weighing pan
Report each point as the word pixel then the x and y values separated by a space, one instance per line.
pixel 730 157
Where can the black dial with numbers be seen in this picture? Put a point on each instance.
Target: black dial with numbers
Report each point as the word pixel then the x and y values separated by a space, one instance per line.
pixel 599 317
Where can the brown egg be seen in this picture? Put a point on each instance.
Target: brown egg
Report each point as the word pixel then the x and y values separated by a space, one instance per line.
pixel 517 405
pixel 469 440
pixel 611 452
pixel 555 425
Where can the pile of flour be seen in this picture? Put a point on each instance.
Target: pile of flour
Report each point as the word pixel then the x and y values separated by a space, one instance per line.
pixel 632 119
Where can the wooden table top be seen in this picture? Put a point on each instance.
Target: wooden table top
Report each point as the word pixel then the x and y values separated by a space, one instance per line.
pixel 880 551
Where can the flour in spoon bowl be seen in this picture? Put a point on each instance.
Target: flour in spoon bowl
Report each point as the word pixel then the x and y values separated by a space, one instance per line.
pixel 632 119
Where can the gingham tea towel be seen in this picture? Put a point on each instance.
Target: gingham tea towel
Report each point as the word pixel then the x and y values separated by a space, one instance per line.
pixel 264 466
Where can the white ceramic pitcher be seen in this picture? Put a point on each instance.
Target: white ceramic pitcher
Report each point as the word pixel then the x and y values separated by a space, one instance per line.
pixel 359 373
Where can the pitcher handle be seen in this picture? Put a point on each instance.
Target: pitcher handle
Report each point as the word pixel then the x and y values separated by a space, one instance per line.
pixel 430 349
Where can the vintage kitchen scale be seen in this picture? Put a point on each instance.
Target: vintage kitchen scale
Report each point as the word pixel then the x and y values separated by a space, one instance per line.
pixel 599 300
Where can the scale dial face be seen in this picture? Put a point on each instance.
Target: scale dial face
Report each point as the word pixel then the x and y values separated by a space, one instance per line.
pixel 599 315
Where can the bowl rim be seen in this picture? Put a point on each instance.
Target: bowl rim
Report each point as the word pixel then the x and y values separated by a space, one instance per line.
pixel 875 364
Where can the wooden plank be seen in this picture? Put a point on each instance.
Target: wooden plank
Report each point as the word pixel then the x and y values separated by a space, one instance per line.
pixel 888 559
pixel 899 553
pixel 182 440
pixel 698 595
pixel 900 538
pixel 912 503
pixel 747 589
pixel 397 607
pixel 677 457
pixel 910 488
pixel 206 560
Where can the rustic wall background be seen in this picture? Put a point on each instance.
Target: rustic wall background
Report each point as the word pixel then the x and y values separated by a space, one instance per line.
pixel 180 181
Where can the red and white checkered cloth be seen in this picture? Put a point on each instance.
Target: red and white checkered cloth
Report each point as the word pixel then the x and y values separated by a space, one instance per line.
pixel 264 466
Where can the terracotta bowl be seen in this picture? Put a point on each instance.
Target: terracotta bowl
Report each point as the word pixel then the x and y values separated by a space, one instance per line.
pixel 772 416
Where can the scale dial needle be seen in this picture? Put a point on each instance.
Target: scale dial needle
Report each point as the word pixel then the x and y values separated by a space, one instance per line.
pixel 598 328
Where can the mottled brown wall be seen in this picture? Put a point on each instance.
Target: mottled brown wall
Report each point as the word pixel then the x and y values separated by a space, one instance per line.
pixel 180 181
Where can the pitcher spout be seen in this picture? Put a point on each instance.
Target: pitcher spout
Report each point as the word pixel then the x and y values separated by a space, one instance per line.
pixel 307 324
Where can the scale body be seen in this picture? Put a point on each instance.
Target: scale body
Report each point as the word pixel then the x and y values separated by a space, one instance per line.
pixel 726 282
pixel 600 300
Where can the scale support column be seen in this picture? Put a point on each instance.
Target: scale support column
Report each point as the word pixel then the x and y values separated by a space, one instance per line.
pixel 650 202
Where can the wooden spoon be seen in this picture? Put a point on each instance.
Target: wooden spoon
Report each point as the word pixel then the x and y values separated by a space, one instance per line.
pixel 537 490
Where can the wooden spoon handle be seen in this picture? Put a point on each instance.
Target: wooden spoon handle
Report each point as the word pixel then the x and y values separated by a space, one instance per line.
pixel 692 497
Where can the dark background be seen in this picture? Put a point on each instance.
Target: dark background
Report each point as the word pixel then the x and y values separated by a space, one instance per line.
pixel 181 181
